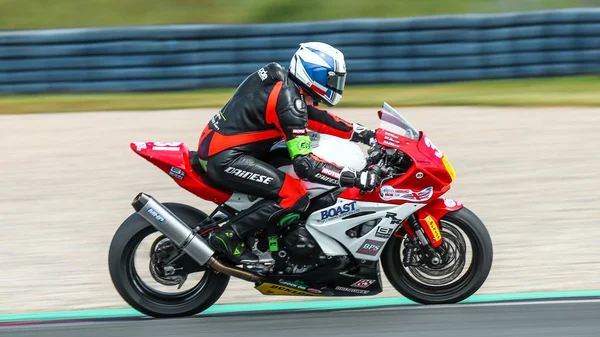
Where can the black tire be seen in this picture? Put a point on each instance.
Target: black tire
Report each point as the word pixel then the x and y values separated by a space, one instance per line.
pixel 458 290
pixel 152 303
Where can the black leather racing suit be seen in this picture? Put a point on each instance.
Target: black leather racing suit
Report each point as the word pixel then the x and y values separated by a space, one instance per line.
pixel 266 107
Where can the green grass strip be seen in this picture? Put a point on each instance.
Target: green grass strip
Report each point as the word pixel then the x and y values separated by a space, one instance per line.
pixel 543 92
pixel 21 14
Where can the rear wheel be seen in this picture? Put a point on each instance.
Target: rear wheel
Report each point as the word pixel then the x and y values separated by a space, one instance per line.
pixel 467 266
pixel 178 289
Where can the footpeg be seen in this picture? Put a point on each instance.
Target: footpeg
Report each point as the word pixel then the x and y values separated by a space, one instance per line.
pixel 265 259
pixel 263 263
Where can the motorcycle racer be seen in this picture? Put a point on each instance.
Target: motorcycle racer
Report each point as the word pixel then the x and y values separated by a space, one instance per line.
pixel 268 105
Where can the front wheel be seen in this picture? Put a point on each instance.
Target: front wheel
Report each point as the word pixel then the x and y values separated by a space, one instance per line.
pixel 466 240
pixel 157 290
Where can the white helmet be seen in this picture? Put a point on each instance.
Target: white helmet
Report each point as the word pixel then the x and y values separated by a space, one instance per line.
pixel 320 70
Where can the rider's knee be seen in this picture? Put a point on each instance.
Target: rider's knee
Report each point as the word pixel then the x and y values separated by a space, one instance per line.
pixel 301 204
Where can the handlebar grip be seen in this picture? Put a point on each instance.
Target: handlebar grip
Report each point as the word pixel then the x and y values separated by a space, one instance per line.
pixel 380 171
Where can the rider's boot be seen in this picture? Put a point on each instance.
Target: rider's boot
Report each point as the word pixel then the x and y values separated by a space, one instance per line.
pixel 229 239
pixel 228 242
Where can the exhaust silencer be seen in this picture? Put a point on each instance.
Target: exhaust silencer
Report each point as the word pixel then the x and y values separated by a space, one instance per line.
pixel 172 227
pixel 185 238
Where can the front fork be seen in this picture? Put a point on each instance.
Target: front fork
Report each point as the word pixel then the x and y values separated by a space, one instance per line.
pixel 424 233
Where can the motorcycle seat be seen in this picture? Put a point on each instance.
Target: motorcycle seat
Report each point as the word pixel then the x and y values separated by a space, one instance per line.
pixel 195 162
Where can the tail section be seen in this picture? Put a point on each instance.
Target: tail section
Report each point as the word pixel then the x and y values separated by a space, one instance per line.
pixel 173 158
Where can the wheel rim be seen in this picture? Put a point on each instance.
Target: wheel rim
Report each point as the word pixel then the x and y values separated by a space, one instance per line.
pixel 138 271
pixel 454 273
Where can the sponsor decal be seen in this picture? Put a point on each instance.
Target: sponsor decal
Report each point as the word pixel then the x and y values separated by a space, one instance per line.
pixel 434 228
pixel 339 211
pixel 140 146
pixel 385 142
pixel 391 135
pixel 176 173
pixel 166 146
pixel 370 247
pixel 326 179
pixel 216 119
pixel 305 145
pixel 364 283
pixel 391 139
pixel 277 289
pixel 300 285
pixel 215 122
pixel 352 290
pixel 451 203
pixel 299 131
pixel 384 232
pixel 249 175
pixel 395 220
pixel 330 173
pixel 155 215
pixel 389 193
pixel 262 73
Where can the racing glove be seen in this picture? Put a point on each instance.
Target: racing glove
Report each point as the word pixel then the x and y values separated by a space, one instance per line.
pixel 366 180
pixel 362 134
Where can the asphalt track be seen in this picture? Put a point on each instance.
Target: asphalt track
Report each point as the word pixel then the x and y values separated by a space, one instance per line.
pixel 523 319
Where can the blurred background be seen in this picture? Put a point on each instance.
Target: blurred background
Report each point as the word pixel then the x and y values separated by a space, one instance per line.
pixel 35 14
pixel 508 89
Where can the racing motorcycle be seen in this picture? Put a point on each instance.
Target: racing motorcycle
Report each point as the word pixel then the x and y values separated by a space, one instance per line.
pixel 433 250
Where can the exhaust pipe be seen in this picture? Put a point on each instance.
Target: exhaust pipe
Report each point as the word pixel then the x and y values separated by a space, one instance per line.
pixel 183 236
pixel 235 272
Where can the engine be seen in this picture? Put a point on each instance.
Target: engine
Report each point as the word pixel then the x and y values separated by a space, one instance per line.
pixel 298 251
pixel 303 249
pixel 293 248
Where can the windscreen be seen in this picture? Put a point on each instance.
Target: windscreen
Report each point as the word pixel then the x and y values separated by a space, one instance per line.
pixel 392 120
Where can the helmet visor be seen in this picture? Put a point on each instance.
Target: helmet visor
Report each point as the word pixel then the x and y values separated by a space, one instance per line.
pixel 336 81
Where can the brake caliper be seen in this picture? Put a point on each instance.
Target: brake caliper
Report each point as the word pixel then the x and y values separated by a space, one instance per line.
pixel 412 254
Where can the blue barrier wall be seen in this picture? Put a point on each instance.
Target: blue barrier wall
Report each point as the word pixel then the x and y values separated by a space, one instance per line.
pixel 409 50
